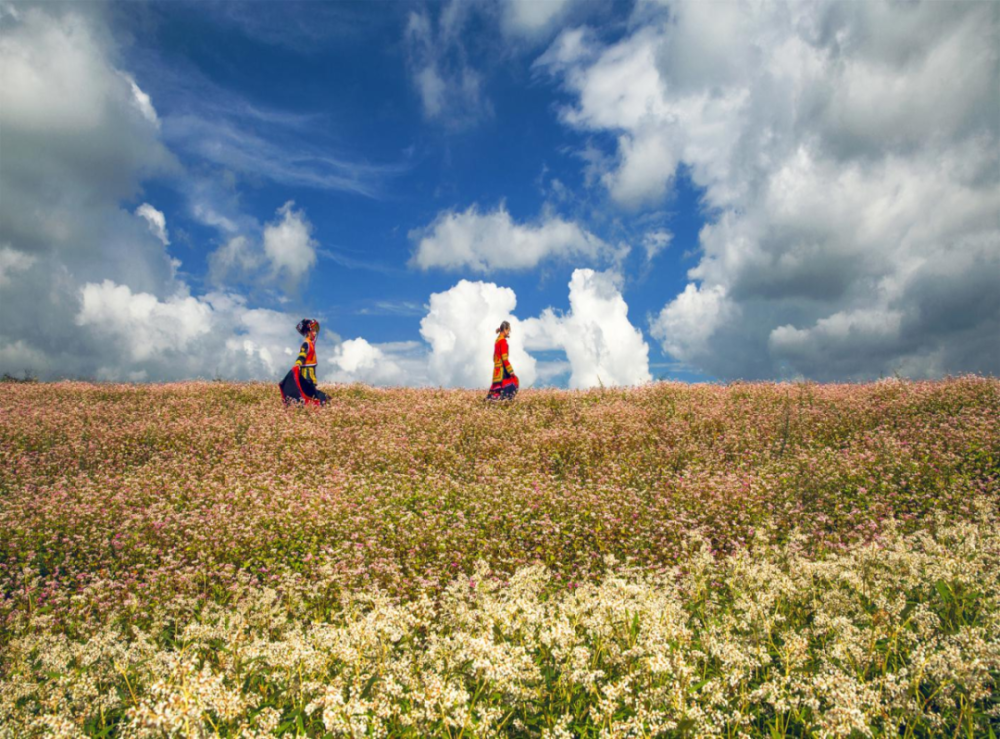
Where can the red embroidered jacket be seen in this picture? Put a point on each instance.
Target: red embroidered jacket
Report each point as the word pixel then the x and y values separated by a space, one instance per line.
pixel 503 373
pixel 307 360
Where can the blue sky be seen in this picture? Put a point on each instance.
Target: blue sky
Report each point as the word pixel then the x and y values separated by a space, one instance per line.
pixel 664 192
pixel 356 102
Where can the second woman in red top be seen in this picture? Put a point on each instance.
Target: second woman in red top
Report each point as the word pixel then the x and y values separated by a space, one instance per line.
pixel 505 382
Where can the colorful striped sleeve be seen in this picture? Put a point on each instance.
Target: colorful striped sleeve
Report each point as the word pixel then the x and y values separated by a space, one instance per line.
pixel 303 353
pixel 503 357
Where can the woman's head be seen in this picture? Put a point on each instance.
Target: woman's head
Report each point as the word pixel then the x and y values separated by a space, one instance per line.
pixel 308 327
pixel 504 328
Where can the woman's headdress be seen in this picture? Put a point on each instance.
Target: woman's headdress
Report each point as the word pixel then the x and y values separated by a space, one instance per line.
pixel 306 325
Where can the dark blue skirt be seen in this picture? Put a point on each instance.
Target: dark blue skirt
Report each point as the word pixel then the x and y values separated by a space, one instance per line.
pixel 297 388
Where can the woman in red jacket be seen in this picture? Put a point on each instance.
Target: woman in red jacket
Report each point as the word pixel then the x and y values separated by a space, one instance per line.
pixel 299 385
pixel 505 382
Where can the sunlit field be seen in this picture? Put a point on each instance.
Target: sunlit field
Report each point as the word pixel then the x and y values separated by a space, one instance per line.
pixel 751 560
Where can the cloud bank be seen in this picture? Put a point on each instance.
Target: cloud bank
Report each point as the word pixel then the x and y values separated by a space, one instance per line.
pixel 458 330
pixel 849 159
pixel 88 288
pixel 601 346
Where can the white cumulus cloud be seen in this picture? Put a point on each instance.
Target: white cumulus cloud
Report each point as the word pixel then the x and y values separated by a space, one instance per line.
pixel 601 345
pixel 156 220
pixel 147 325
pixel 486 242
pixel 288 244
pixel 460 327
pixel 217 335
pixel 686 324
pixel 280 253
pixel 394 363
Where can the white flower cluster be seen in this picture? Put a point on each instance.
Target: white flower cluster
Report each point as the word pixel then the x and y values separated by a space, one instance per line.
pixel 900 633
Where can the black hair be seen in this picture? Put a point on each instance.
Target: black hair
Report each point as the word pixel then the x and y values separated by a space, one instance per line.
pixel 305 325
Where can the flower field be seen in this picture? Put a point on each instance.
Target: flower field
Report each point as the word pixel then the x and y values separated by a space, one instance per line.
pixel 753 560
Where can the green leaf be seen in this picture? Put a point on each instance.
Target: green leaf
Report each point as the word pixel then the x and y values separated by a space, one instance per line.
pixel 685 725
pixel 366 691
pixel 942 587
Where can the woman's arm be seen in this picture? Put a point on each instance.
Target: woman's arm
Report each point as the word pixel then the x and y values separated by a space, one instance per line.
pixel 503 357
pixel 303 353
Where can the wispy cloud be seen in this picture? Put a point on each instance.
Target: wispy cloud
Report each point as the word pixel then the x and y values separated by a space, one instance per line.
pixel 450 88
pixel 338 257
pixel 304 27
pixel 214 124
pixel 393 308
pixel 288 163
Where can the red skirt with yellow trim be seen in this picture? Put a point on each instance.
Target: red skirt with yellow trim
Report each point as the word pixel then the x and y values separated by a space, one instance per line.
pixel 503 390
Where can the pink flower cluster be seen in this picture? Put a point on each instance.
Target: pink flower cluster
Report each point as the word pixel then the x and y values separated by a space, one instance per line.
pixel 115 496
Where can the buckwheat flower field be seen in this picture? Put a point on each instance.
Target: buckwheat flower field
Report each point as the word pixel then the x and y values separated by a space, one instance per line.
pixel 747 560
